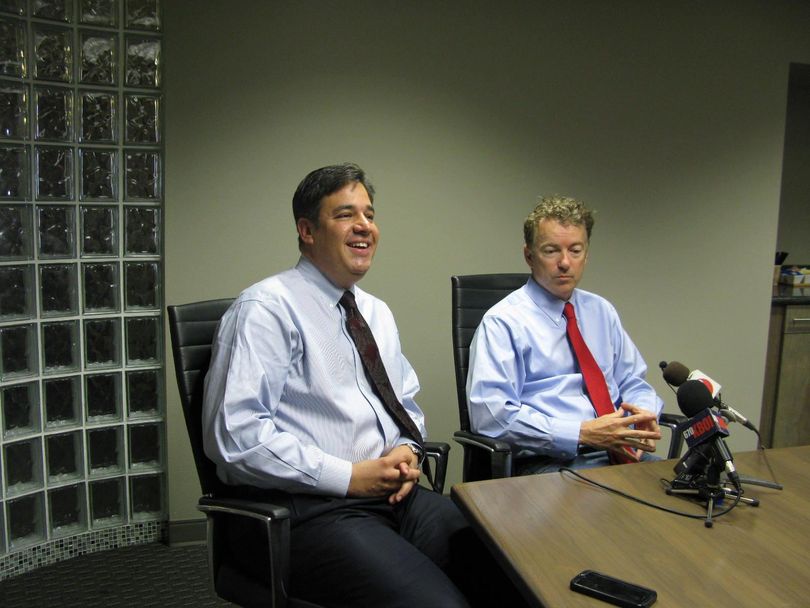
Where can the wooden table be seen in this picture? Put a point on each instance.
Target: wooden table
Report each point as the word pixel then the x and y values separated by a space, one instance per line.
pixel 544 529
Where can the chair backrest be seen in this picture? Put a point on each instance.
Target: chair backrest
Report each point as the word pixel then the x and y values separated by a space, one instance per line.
pixel 192 328
pixel 473 295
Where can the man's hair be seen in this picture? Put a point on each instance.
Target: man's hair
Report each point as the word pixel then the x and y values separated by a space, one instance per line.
pixel 566 210
pixel 320 183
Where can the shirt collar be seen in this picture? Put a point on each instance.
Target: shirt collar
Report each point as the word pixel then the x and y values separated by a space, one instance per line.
pixel 313 275
pixel 550 304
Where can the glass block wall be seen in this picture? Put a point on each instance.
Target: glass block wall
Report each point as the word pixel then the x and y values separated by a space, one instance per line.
pixel 82 445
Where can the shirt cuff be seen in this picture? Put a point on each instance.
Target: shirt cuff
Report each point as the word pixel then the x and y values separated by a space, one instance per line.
pixel 565 434
pixel 336 474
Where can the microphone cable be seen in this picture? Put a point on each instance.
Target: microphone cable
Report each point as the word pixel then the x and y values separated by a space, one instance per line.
pixel 646 503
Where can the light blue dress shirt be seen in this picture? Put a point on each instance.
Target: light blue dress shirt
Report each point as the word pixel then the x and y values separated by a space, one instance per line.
pixel 524 386
pixel 287 404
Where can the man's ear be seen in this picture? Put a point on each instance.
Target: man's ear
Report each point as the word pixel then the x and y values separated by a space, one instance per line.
pixel 527 254
pixel 305 230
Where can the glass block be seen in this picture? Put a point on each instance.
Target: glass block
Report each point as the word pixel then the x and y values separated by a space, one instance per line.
pixel 143 393
pixel 142 179
pixel 23 466
pixel 53 110
pixel 66 507
pixel 143 15
pixel 58 289
pixel 12 48
pixel 146 492
pixel 16 7
pixel 99 12
pixel 145 446
pixel 142 285
pixel 53 54
pixel 20 410
pixel 143 62
pixel 13 110
pixel 61 402
pixel 18 351
pixel 58 10
pixel 98 63
pixel 100 287
pixel 56 227
pixel 60 346
pixel 98 174
pixel 15 232
pixel 16 292
pixel 64 457
pixel 106 502
pixel 54 173
pixel 142 119
pixel 13 172
pixel 142 231
pixel 102 395
pixel 102 342
pixel 105 447
pixel 25 517
pixel 99 232
pixel 143 340
pixel 98 117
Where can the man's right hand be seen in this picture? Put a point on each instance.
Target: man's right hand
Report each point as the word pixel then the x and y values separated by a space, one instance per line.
pixel 393 474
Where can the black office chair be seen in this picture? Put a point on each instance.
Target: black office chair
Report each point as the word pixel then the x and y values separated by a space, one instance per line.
pixel 473 295
pixel 192 327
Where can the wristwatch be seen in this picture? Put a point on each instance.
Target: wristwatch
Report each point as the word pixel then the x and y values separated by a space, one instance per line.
pixel 420 454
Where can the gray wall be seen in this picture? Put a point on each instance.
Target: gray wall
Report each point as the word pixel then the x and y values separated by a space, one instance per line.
pixel 667 117
pixel 794 208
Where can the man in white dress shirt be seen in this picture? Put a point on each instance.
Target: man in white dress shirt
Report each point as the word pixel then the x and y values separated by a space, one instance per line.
pixel 291 414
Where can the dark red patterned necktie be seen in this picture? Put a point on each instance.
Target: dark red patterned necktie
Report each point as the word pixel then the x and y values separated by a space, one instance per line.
pixel 592 376
pixel 375 370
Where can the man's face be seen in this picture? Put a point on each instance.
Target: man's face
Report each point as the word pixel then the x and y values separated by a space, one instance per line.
pixel 558 256
pixel 343 243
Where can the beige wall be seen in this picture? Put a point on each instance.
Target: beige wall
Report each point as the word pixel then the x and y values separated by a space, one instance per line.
pixel 668 117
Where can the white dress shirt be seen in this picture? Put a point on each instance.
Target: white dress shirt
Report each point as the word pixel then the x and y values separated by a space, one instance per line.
pixel 524 386
pixel 287 403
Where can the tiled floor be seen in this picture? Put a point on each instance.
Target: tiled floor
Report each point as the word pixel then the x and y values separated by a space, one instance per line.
pixel 152 575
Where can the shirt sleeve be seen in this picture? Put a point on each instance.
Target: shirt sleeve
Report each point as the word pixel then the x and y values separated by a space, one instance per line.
pixel 253 353
pixel 630 373
pixel 494 387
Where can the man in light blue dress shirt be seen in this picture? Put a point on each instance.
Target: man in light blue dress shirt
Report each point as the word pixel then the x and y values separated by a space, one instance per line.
pixel 524 385
pixel 290 414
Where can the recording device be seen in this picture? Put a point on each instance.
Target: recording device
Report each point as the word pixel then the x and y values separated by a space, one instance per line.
pixel 613 590
pixel 676 373
pixel 703 428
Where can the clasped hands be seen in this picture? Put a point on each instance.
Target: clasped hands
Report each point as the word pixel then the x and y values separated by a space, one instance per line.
pixel 394 474
pixel 630 430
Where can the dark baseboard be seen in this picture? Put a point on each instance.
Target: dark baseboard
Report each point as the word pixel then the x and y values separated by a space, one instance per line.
pixel 190 531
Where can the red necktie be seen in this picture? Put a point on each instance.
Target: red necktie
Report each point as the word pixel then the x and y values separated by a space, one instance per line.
pixel 375 370
pixel 592 375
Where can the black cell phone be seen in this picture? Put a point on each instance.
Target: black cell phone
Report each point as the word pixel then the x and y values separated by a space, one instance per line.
pixel 613 590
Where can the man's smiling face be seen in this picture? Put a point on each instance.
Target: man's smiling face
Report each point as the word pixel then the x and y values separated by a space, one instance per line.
pixel 343 242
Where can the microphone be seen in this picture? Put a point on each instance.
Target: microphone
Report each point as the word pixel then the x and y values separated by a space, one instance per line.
pixel 704 430
pixel 676 373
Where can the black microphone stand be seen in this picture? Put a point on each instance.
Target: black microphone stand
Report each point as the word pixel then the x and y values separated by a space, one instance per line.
pixel 705 485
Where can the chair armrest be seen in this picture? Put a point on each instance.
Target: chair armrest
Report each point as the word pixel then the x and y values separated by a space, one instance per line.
pixel 438 452
pixel 275 521
pixel 499 455
pixel 672 421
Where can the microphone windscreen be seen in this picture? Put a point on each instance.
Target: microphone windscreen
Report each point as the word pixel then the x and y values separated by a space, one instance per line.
pixel 694 397
pixel 675 373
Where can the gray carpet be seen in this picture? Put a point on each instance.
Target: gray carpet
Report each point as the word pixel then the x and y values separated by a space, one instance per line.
pixel 153 575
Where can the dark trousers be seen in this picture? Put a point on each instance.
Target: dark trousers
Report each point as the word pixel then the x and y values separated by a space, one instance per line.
pixel 364 552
